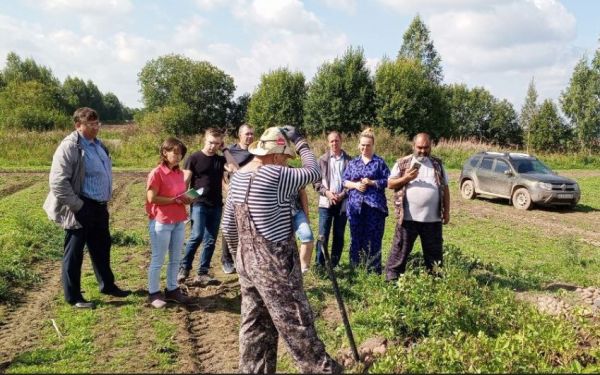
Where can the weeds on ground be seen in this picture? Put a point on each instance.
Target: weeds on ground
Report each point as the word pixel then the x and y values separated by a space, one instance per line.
pixel 27 237
pixel 460 322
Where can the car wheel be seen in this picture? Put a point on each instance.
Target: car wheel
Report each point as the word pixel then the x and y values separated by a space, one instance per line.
pixel 467 190
pixel 521 199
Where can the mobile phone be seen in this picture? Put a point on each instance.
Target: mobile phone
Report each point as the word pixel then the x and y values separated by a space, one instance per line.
pixel 416 166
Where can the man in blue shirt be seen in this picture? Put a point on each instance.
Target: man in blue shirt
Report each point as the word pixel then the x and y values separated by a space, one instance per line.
pixel 80 188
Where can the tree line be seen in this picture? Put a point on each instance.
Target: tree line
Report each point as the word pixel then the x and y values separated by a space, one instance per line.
pixel 405 94
pixel 32 98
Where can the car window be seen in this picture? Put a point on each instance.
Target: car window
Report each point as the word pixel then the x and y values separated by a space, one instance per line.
pixel 531 166
pixel 501 166
pixel 474 160
pixel 486 163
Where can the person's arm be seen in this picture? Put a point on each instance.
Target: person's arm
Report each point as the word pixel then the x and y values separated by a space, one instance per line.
pixel 399 182
pixel 349 184
pixel 229 227
pixel 231 165
pixel 304 203
pixel 187 177
pixel 64 162
pixel 153 197
pixel 446 218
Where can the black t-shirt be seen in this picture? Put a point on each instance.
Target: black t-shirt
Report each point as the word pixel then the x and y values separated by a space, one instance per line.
pixel 241 156
pixel 207 172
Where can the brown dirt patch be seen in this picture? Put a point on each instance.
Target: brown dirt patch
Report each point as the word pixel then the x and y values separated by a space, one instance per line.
pixel 554 222
pixel 21 323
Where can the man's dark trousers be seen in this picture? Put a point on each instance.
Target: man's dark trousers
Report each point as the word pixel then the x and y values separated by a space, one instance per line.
pixel 404 239
pixel 96 235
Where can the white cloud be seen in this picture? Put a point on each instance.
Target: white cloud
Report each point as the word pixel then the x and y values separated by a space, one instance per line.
pixel 189 32
pixel 287 15
pixel 211 4
pixel 431 6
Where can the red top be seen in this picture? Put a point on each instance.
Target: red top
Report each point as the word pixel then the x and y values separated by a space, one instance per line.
pixel 168 183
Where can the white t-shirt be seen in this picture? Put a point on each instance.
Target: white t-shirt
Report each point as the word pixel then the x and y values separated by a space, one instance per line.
pixel 422 199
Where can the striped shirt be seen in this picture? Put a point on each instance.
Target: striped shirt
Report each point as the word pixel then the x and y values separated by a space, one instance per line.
pixel 97 183
pixel 270 197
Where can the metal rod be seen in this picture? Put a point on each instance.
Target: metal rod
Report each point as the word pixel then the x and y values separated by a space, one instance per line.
pixel 338 297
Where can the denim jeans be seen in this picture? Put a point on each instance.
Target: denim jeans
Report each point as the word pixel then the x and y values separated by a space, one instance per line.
pixel 327 216
pixel 205 227
pixel 301 228
pixel 165 238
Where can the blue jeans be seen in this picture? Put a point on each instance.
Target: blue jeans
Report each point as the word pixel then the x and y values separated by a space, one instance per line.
pixel 165 238
pixel 205 226
pixel 301 228
pixel 327 216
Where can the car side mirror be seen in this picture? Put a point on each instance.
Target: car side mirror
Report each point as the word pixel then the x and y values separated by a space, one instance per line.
pixel 508 172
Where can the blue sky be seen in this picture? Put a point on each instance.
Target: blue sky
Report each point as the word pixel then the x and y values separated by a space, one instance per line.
pixel 497 44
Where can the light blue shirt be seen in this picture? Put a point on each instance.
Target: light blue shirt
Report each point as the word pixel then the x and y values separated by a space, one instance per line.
pixel 97 183
pixel 336 172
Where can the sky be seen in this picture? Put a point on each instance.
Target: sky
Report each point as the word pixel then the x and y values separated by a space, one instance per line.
pixel 496 44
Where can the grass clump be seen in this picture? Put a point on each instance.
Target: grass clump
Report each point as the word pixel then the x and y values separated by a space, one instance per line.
pixel 27 238
pixel 460 322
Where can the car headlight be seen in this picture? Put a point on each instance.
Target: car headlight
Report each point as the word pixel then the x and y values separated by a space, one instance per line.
pixel 545 185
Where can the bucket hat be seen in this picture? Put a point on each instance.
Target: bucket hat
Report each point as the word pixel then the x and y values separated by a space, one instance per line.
pixel 272 141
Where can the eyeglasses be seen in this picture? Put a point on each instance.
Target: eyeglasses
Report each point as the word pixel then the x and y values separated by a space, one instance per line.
pixel 93 124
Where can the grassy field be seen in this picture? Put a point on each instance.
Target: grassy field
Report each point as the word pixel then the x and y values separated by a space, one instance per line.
pixel 482 316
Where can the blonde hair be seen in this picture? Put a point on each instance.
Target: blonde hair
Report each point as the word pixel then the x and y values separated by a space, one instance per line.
pixel 368 133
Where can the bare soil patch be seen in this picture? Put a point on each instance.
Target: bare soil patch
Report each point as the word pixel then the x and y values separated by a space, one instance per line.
pixel 555 222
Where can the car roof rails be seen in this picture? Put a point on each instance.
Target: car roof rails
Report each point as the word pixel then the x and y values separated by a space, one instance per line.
pixel 519 155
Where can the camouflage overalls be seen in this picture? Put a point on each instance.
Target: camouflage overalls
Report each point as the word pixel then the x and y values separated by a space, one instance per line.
pixel 273 303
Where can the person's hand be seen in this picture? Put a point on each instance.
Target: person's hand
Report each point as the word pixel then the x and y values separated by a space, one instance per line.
pixel 446 217
pixel 360 187
pixel 332 197
pixel 367 182
pixel 83 214
pixel 411 174
pixel 185 199
pixel 291 133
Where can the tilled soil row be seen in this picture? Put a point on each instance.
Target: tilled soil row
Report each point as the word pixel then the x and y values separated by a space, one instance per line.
pixel 20 327
pixel 213 325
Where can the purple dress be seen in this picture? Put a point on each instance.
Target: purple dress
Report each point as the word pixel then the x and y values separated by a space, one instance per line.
pixel 367 211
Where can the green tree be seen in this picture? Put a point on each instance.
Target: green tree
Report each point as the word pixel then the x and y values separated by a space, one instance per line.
pixel 30 105
pixel 407 101
pixel 113 109
pixel 416 44
pixel 548 130
pixel 238 113
pixel 529 111
pixel 76 93
pixel 278 100
pixel 175 80
pixel 341 96
pixel 504 126
pixel 580 102
pixel 20 70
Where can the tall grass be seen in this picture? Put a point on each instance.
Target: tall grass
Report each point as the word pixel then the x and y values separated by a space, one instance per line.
pixel 134 148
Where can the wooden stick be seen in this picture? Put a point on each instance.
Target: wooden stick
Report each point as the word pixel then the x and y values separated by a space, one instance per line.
pixel 60 336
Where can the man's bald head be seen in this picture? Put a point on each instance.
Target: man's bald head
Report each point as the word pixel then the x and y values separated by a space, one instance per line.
pixel 422 145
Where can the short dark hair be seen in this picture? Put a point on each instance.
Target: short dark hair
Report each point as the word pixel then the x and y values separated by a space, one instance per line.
pixel 214 132
pixel 171 144
pixel 84 114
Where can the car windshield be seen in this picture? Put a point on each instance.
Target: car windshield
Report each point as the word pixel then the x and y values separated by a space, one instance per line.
pixel 531 166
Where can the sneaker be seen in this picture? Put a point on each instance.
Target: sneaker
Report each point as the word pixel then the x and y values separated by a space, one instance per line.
pixel 156 300
pixel 182 275
pixel 115 291
pixel 177 296
pixel 204 279
pixel 228 268
pixel 83 304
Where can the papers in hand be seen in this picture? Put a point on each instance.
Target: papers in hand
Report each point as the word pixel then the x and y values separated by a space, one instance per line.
pixel 192 193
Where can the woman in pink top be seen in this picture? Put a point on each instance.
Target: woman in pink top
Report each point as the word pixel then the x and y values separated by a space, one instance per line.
pixel 165 206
